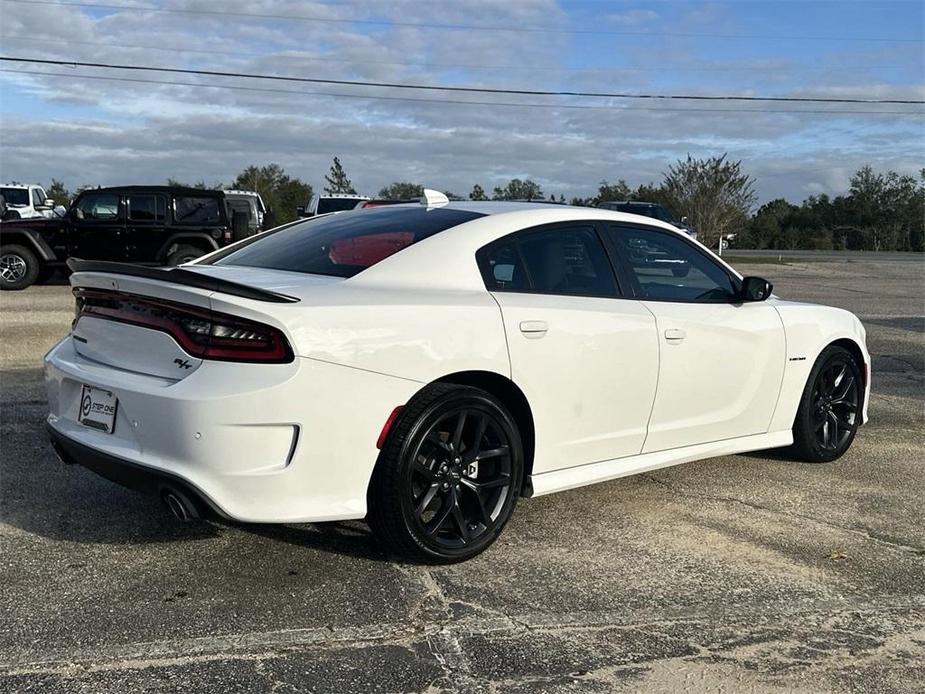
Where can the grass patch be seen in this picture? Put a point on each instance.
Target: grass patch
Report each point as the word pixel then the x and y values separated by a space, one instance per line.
pixel 756 260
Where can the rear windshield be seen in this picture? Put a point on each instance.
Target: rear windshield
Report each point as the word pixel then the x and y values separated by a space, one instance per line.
pixel 344 244
pixel 326 205
pixel 15 196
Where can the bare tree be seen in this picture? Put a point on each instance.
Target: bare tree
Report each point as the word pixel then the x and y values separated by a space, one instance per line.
pixel 713 193
pixel 337 181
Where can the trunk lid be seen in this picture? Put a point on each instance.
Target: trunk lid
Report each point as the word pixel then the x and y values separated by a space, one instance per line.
pixel 134 314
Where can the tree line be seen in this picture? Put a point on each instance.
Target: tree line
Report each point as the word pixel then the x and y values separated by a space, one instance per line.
pixel 881 211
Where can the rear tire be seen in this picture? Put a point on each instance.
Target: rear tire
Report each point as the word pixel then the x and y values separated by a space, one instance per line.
pixel 830 409
pixel 19 268
pixel 448 477
pixel 184 254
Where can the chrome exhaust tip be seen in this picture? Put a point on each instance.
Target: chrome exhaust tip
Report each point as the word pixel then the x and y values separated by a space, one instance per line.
pixel 182 508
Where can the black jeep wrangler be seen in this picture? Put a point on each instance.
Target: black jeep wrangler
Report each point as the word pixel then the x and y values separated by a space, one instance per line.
pixel 148 225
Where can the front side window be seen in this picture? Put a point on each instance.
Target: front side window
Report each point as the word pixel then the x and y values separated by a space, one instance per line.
pixel 99 206
pixel 664 267
pixel 147 208
pixel 38 197
pixel 568 260
pixel 345 244
pixel 196 210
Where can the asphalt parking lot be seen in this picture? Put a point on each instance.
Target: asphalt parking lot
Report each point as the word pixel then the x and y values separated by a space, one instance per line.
pixel 743 573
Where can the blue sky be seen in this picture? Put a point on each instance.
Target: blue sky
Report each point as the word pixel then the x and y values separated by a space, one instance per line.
pixel 87 131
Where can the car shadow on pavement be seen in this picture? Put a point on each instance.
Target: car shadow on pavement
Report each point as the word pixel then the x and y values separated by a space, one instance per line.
pixel 351 538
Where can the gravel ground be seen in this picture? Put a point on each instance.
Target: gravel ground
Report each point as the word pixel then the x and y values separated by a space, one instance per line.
pixel 743 573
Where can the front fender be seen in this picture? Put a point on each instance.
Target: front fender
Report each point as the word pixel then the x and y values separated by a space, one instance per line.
pixel 30 238
pixel 809 329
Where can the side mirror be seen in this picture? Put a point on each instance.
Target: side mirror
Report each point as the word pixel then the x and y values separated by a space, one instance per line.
pixel 300 211
pixel 684 220
pixel 49 204
pixel 755 289
pixel 77 214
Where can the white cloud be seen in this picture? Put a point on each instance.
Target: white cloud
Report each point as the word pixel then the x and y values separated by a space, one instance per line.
pixel 108 132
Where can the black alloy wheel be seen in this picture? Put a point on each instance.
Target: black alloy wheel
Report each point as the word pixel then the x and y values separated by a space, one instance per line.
pixel 830 411
pixel 460 477
pixel 448 477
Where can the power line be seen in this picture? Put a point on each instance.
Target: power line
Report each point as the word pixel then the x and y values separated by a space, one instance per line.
pixel 467 90
pixel 528 68
pixel 453 27
pixel 581 107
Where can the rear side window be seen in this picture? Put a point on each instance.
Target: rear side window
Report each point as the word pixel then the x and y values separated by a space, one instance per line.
pixel 196 210
pixel 147 208
pixel 567 260
pixel 345 244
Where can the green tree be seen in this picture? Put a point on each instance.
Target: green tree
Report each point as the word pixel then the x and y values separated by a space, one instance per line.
pixel 766 228
pixel 201 184
pixel 57 192
pixel 612 192
pixel 281 193
pixel 402 190
pixel 337 181
pixel 477 193
pixel 519 190
pixel 714 194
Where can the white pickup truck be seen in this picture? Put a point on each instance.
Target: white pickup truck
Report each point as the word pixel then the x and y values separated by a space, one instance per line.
pixel 26 202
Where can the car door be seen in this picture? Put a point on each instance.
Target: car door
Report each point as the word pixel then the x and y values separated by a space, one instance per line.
pixel 146 219
pixel 97 227
pixel 585 357
pixel 720 360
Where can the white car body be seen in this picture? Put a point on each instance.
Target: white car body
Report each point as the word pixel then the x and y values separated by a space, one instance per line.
pixel 336 202
pixel 615 386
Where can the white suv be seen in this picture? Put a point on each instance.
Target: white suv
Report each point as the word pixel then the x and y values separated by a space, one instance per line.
pixel 322 204
pixel 27 201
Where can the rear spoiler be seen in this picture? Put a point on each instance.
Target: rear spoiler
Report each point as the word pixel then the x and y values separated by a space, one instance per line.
pixel 177 275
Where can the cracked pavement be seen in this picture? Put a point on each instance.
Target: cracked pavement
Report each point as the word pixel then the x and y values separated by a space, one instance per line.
pixel 745 573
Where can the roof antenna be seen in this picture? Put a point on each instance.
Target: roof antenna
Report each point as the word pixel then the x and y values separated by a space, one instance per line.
pixel 434 198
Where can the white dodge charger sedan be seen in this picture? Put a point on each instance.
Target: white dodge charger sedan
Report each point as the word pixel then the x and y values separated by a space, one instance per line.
pixel 422 366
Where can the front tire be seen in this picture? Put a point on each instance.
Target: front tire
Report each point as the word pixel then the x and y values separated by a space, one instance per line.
pixel 830 409
pixel 19 268
pixel 448 477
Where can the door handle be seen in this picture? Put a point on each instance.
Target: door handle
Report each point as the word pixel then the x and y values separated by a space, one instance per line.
pixel 533 329
pixel 675 335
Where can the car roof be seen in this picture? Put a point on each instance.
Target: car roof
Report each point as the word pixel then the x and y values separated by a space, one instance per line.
pixel 178 190
pixel 423 263
pixel 505 207
pixel 24 186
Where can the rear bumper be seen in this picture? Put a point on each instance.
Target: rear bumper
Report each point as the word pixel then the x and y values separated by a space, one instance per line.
pixel 258 443
pixel 141 478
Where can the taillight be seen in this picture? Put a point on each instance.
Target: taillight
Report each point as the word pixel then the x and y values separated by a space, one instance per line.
pixel 200 332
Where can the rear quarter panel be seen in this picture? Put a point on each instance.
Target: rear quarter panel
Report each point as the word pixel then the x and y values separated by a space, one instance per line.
pixel 415 335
